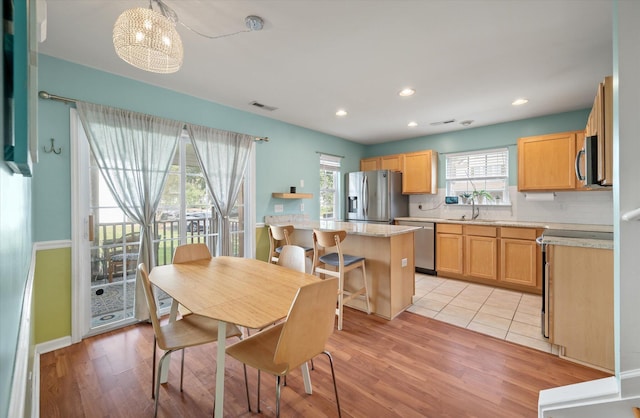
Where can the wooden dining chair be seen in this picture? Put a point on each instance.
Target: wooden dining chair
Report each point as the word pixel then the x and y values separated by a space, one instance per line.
pixel 189 331
pixel 341 264
pixel 302 336
pixel 186 253
pixel 292 257
pixel 191 252
pixel 280 236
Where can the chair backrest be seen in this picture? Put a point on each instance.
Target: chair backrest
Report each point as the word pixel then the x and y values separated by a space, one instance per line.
pixel 292 257
pixel 148 295
pixel 281 233
pixel 191 252
pixel 329 238
pixel 310 322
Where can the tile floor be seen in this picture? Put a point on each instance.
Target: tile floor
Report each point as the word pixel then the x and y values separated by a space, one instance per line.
pixel 501 313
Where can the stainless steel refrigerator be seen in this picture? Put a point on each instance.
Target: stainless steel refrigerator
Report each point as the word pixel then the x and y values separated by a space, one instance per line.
pixel 375 196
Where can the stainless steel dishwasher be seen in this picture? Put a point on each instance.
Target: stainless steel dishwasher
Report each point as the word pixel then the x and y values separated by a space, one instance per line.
pixel 425 246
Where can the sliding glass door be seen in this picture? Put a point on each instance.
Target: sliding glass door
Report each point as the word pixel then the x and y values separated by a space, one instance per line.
pixel 106 242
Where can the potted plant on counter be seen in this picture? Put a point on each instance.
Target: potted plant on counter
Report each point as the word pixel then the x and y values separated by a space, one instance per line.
pixel 481 197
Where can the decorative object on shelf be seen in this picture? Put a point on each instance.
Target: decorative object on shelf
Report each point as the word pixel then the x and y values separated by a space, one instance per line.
pixel 149 40
pixel 52 148
pixel 464 198
pixel 292 189
pixel 481 196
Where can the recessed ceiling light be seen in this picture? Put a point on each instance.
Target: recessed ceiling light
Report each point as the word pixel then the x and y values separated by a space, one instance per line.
pixel 412 124
pixel 519 102
pixel 341 112
pixel 406 92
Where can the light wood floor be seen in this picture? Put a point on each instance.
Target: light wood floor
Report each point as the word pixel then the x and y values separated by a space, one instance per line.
pixel 409 367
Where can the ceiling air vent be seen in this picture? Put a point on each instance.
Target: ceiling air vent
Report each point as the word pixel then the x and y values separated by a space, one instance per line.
pixel 263 106
pixel 442 122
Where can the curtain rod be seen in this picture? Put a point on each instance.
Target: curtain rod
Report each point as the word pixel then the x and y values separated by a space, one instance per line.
pixel 48 96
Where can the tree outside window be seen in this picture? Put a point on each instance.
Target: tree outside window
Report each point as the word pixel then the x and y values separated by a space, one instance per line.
pixel 329 187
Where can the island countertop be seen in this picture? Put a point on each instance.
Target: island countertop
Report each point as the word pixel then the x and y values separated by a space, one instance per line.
pixel 356 228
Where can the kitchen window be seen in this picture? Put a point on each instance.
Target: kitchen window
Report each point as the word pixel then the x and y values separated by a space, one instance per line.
pixel 483 175
pixel 329 186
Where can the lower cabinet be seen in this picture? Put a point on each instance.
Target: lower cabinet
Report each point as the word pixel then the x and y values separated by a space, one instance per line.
pixel 520 256
pixel 581 304
pixel 500 256
pixel 481 252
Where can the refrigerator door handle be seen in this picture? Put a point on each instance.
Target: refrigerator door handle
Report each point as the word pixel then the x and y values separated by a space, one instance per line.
pixel 365 195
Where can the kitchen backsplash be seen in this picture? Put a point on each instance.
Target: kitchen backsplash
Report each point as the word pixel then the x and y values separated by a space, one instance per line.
pixel 595 207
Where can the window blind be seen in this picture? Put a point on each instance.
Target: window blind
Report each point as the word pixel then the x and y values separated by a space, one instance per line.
pixel 479 165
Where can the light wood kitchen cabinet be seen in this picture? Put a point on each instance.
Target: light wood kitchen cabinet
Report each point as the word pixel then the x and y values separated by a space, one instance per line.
pixel 520 257
pixel 581 304
pixel 449 245
pixel 369 164
pixel 480 252
pixel 547 162
pixel 419 172
pixel 392 162
pixel 600 124
pixel 386 162
pixel 500 256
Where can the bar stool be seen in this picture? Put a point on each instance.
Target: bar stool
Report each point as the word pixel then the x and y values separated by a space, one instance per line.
pixel 281 234
pixel 343 263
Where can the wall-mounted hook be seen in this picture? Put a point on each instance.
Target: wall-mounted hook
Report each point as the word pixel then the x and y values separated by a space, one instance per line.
pixel 52 148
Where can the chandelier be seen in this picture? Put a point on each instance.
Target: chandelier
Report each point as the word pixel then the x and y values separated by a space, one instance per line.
pixel 148 39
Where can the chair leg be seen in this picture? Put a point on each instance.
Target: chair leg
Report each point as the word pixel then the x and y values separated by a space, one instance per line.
pixel 258 390
pixel 246 386
pixel 157 383
pixel 366 288
pixel 277 396
pixel 153 370
pixel 340 300
pixel 182 369
pixel 333 375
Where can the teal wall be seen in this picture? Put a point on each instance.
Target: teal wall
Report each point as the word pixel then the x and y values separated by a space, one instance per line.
pixel 493 136
pixel 289 156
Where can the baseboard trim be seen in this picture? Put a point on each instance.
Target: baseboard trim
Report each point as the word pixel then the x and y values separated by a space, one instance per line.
pixel 53 345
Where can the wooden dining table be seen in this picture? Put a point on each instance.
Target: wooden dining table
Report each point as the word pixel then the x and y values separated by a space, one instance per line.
pixel 242 291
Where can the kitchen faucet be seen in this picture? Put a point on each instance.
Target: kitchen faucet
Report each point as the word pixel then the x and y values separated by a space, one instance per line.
pixel 475 211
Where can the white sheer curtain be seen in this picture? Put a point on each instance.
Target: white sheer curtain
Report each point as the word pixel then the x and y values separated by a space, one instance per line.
pixel 133 152
pixel 223 156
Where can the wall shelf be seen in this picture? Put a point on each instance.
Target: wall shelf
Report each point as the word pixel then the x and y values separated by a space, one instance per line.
pixel 292 195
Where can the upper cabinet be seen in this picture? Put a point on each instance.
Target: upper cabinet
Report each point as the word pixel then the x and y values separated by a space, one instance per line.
pixel 369 164
pixel 600 124
pixel 392 162
pixel 419 173
pixel 386 162
pixel 547 162
pixel 419 170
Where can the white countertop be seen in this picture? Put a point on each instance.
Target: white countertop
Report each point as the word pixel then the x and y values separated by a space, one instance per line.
pixel 357 228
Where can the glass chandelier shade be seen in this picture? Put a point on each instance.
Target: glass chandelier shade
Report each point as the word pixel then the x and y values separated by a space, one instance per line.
pixel 148 40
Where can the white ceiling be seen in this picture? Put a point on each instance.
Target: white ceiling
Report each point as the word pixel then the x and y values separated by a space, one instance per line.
pixel 467 60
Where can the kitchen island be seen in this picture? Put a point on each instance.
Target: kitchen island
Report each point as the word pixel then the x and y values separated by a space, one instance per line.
pixel 389 254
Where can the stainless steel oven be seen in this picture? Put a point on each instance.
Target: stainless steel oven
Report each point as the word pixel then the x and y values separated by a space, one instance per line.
pixel 544 241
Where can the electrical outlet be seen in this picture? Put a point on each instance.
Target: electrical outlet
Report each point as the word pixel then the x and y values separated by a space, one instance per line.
pixel 404 262
pixel 301 207
pixel 278 208
pixel 301 183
